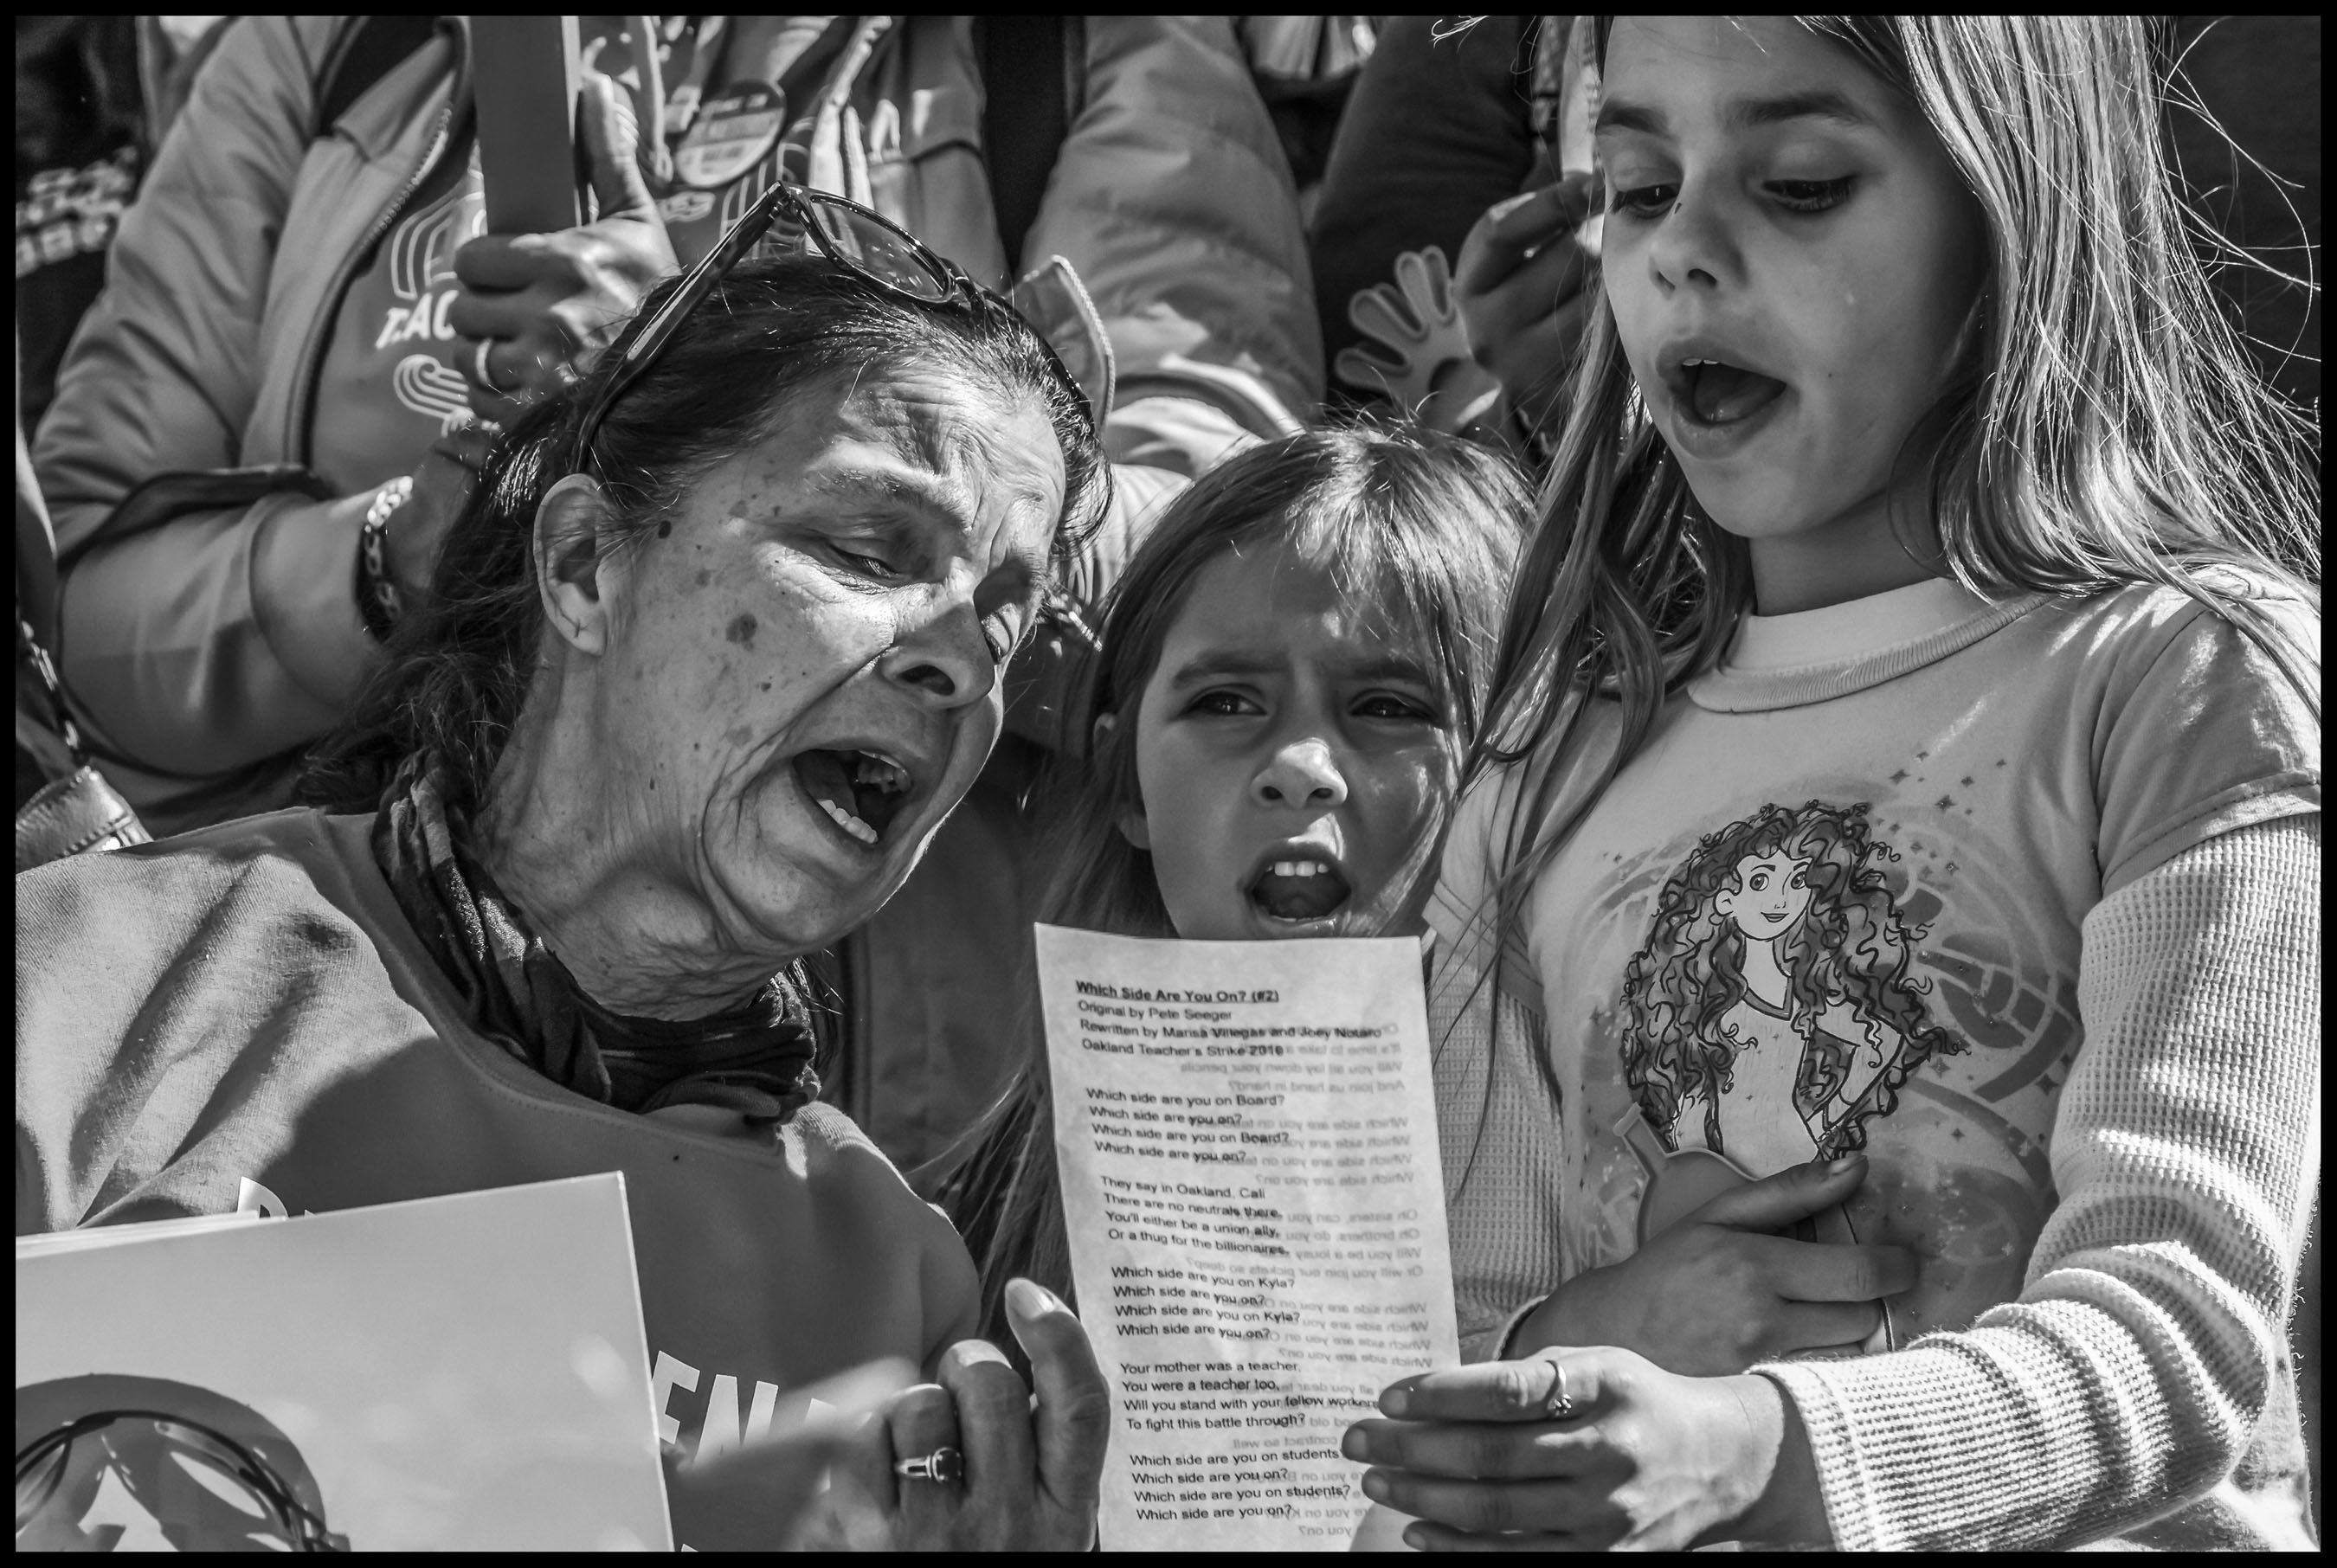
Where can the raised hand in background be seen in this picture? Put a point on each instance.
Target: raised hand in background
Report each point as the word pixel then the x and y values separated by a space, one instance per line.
pixel 1416 349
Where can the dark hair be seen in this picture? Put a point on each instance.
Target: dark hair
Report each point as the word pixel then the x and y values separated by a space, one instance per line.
pixel 772 334
pixel 1425 524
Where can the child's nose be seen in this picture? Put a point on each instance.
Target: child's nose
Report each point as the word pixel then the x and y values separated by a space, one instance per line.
pixel 1301 774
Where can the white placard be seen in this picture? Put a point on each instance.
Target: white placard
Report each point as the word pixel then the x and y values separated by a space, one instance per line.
pixel 456 1373
pixel 1246 1132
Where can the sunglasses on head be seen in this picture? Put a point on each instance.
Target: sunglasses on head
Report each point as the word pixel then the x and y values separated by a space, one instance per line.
pixel 868 244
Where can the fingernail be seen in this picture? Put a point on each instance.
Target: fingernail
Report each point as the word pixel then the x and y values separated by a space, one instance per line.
pixel 1375 1486
pixel 1397 1402
pixel 1846 1164
pixel 1354 1445
pixel 1030 1300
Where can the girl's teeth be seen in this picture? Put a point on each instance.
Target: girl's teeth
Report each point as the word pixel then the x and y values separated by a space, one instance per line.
pixel 848 822
pixel 1296 869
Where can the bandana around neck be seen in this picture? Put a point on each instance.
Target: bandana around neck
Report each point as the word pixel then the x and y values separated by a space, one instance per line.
pixel 754 1058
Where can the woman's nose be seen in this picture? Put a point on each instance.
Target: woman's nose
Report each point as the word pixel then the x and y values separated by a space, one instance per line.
pixel 1303 773
pixel 944 659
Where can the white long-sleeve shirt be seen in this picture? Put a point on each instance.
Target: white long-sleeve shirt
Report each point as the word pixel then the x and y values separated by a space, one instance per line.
pixel 2038 884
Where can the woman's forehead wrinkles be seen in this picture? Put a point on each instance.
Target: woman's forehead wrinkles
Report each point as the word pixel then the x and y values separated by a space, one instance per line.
pixel 950 460
pixel 886 487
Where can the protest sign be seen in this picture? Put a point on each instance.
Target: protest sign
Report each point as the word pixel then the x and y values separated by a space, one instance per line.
pixel 1246 1132
pixel 458 1372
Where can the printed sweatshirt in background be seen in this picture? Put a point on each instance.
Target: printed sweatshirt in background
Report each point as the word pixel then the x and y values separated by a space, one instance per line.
pixel 2021 900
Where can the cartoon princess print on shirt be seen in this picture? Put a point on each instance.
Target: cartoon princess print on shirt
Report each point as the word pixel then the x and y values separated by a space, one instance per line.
pixel 1769 1016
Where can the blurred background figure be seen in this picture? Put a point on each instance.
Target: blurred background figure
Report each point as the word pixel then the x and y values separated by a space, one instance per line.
pixel 94 95
pixel 1305 68
pixel 1449 117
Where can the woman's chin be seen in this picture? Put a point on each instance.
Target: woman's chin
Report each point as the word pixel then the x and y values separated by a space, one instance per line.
pixel 800 899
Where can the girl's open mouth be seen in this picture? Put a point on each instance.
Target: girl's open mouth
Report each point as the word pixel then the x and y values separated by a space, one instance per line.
pixel 1300 888
pixel 1721 393
pixel 860 791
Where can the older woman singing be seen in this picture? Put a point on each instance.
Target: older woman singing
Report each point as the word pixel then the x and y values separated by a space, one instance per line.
pixel 711 654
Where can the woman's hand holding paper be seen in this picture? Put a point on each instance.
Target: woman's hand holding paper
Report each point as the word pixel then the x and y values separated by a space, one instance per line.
pixel 1719 1290
pixel 1029 1469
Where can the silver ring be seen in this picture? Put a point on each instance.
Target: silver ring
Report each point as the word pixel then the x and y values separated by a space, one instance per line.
pixel 1559 1406
pixel 944 1465
pixel 479 371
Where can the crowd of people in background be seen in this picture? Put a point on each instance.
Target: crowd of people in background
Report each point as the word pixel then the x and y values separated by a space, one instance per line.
pixel 592 666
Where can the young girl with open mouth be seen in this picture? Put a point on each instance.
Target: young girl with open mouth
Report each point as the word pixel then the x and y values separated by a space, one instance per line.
pixel 1292 672
pixel 1904 765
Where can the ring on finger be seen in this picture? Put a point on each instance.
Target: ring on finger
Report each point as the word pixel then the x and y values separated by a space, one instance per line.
pixel 481 371
pixel 944 1465
pixel 1559 1407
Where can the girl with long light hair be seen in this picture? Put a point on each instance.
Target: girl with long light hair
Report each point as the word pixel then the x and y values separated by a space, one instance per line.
pixel 1913 491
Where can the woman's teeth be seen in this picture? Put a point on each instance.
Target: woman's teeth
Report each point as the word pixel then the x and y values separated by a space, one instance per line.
pixel 1297 868
pixel 848 822
pixel 879 772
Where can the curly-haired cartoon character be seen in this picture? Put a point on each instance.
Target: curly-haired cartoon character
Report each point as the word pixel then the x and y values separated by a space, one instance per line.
pixel 1769 1016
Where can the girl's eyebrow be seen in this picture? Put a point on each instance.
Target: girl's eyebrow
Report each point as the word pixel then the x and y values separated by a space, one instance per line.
pixel 1818 103
pixel 1224 663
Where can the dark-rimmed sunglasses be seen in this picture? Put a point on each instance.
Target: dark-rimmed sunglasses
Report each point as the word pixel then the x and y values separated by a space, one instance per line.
pixel 869 245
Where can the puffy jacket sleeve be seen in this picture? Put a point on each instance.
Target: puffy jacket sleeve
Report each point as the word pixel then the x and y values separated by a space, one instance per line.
pixel 1172 198
pixel 224 634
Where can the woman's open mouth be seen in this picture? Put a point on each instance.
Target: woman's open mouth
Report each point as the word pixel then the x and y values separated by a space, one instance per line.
pixel 861 792
pixel 1299 888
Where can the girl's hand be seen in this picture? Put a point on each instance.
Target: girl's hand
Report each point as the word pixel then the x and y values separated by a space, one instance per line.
pixel 546 304
pixel 1714 1294
pixel 1524 286
pixel 1647 1460
pixel 1032 1468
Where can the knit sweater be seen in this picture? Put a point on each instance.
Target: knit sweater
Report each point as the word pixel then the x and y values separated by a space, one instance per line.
pixel 2144 1099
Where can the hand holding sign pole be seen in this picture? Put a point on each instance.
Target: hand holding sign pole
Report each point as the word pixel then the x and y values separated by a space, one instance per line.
pixel 543 291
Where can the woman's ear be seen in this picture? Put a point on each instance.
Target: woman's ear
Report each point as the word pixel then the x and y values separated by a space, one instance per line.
pixel 567 548
pixel 1129 818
